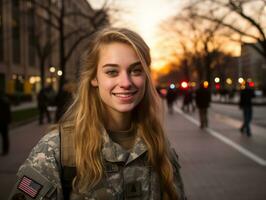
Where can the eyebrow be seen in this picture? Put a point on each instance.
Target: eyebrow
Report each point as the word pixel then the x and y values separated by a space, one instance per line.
pixel 116 65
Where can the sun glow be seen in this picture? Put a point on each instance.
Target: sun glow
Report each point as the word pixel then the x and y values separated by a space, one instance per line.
pixel 144 17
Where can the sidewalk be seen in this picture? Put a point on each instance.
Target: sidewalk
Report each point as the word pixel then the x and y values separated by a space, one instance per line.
pixel 211 169
pixel 22 106
pixel 258 101
pixel 22 140
pixel 213 166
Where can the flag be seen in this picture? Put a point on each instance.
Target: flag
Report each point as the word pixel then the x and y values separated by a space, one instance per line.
pixel 29 186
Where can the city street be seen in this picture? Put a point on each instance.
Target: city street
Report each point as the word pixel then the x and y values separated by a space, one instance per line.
pixel 57 53
pixel 216 164
pixel 219 163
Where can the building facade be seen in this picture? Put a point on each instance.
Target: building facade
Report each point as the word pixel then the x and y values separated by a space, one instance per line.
pixel 25 31
pixel 252 65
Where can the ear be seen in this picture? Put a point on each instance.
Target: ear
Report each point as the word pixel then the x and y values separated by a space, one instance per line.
pixel 94 82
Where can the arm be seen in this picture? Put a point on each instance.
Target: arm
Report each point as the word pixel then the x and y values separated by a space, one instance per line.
pixel 39 177
pixel 177 176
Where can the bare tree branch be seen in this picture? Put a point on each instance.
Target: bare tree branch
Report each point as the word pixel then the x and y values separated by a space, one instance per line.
pixel 239 10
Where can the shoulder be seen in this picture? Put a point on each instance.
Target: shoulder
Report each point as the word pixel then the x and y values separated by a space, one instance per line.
pixel 174 159
pixel 177 175
pixel 48 144
pixel 45 156
pixel 43 164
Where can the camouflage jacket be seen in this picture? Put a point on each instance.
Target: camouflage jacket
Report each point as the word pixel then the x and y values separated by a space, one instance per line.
pixel 127 175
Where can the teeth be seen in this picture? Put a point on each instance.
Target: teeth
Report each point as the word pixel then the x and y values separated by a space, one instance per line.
pixel 124 94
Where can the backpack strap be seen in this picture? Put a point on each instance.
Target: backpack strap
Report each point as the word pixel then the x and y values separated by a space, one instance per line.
pixel 67 158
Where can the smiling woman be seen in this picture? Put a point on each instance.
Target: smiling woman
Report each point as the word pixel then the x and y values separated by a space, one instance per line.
pixel 110 144
pixel 121 82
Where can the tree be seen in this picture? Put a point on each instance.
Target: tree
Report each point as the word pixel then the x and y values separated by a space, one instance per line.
pixel 43 46
pixel 245 18
pixel 61 17
pixel 200 43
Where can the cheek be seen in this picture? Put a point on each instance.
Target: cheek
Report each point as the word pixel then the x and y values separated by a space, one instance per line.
pixel 140 82
pixel 106 85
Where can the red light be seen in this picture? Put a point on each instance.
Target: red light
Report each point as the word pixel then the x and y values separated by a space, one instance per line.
pixel 163 92
pixel 251 84
pixel 184 85
pixel 217 86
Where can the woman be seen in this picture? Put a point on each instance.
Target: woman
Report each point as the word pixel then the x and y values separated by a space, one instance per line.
pixel 111 144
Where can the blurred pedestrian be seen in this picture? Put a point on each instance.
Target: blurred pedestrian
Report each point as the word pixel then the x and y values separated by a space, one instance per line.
pixel 44 100
pixel 5 119
pixel 63 99
pixel 203 99
pixel 245 105
pixel 188 101
pixel 50 95
pixel 170 99
pixel 111 143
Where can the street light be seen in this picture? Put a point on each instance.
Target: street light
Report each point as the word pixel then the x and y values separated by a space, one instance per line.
pixel 184 84
pixel 217 80
pixel 229 81
pixel 59 73
pixel 240 80
pixel 52 69
pixel 172 86
pixel 205 84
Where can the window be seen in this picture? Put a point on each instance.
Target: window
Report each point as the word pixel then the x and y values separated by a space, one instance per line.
pixel 1 32
pixel 31 37
pixel 16 31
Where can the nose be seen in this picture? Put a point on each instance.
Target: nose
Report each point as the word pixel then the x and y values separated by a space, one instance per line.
pixel 125 81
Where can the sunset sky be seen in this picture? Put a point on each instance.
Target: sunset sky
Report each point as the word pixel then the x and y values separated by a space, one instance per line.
pixel 144 16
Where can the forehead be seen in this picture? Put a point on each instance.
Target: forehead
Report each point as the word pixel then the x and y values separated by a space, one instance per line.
pixel 117 52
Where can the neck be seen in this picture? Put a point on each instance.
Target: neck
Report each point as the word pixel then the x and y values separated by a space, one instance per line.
pixel 118 121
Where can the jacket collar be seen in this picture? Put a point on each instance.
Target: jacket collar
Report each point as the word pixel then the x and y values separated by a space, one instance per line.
pixel 113 152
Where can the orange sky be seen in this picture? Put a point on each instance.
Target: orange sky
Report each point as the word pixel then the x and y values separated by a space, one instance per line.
pixel 145 17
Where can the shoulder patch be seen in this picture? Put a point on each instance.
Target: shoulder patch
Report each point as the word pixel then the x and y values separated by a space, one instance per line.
pixel 32 185
pixel 29 186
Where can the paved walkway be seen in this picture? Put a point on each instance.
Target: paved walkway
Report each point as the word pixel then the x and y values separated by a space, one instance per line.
pixel 217 163
pixel 22 106
pixel 22 140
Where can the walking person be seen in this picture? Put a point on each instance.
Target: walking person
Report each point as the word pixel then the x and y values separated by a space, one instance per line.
pixel 110 143
pixel 63 100
pixel 245 105
pixel 188 104
pixel 43 103
pixel 203 99
pixel 170 99
pixel 5 120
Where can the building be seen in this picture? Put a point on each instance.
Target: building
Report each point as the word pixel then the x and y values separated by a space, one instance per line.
pixel 30 38
pixel 253 65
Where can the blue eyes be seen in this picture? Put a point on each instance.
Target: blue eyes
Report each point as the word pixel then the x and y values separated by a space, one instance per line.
pixel 111 72
pixel 136 72
pixel 133 72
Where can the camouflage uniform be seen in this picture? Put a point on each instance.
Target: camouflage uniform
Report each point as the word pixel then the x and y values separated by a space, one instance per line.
pixel 127 174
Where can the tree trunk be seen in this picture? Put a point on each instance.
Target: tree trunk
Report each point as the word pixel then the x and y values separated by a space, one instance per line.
pixel 42 72
pixel 62 46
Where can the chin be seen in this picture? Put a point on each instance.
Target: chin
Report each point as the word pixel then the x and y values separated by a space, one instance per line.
pixel 126 109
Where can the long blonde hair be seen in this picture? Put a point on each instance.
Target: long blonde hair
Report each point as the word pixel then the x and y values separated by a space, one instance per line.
pixel 86 112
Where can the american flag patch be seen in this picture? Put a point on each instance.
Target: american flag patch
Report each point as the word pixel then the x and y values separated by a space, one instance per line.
pixel 29 186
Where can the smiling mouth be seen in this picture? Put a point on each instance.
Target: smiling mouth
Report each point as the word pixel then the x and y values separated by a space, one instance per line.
pixel 124 94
